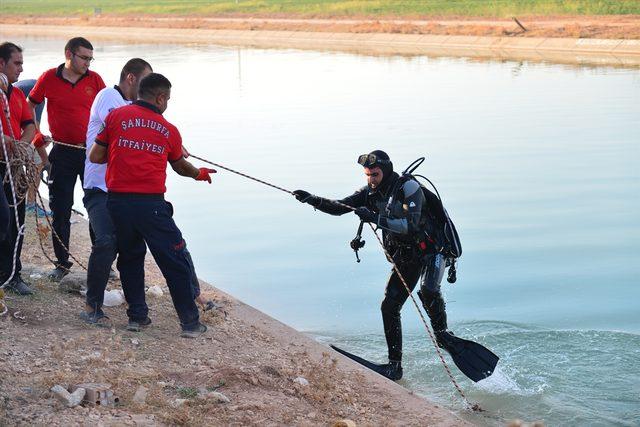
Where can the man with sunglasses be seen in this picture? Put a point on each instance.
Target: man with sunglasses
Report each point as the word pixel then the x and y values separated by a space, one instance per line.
pixel 410 222
pixel 69 90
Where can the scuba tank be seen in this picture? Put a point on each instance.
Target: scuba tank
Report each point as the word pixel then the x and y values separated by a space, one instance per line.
pixel 451 246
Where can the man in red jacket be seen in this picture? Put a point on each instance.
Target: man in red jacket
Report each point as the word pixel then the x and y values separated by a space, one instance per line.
pixel 69 90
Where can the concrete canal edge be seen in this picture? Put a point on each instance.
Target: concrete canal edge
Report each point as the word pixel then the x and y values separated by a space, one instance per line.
pixel 610 52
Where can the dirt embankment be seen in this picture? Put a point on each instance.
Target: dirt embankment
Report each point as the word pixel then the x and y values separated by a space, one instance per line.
pixel 254 360
pixel 602 27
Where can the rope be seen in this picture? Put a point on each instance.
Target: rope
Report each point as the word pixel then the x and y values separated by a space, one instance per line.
pixel 9 173
pixel 474 407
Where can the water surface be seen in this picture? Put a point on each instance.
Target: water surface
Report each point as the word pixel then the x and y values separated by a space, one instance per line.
pixel 537 164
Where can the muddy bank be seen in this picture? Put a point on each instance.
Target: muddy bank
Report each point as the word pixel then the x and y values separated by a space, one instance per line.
pixel 587 51
pixel 254 360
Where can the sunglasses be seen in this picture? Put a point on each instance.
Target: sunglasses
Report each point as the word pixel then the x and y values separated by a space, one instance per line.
pixel 368 160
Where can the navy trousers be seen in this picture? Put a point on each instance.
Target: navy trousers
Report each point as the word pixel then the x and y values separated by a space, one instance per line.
pixel 67 164
pixel 8 244
pixel 103 249
pixel 146 219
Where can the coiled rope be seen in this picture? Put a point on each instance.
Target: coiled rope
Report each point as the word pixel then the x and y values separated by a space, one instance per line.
pixel 11 167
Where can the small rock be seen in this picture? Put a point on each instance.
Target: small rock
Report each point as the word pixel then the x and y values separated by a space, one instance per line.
pixel 140 395
pixel 73 282
pixel 302 381
pixel 218 397
pixel 178 402
pixel 155 291
pixel 69 399
pixel 113 297
pixel 344 423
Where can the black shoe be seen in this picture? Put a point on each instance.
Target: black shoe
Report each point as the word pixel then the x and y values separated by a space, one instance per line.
pixel 95 318
pixel 194 333
pixel 137 325
pixel 58 273
pixel 19 286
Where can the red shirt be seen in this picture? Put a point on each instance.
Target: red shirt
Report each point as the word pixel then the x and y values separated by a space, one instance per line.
pixel 140 142
pixel 19 111
pixel 68 104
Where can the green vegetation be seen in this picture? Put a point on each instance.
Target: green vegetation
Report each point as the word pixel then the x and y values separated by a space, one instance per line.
pixel 187 392
pixel 487 8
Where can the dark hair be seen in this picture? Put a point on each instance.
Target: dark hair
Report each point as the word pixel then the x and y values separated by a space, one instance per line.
pixel 77 42
pixel 153 83
pixel 134 66
pixel 7 49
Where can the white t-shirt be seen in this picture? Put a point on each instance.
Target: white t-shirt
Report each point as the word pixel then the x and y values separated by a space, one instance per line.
pixel 107 99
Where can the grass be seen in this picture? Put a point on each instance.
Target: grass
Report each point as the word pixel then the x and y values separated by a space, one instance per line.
pixel 485 8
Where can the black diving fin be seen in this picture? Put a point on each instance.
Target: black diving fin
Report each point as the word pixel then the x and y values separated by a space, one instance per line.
pixel 391 371
pixel 474 360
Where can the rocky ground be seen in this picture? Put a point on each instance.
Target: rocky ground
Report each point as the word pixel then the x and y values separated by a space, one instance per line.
pixel 247 369
pixel 608 27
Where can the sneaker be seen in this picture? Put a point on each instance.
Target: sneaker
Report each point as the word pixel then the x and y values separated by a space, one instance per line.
pixel 32 207
pixel 19 286
pixel 58 273
pixel 94 318
pixel 194 333
pixel 137 325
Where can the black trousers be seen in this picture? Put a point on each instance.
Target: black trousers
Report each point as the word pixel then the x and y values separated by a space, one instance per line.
pixel 143 221
pixel 430 269
pixel 67 164
pixel 7 245
pixel 4 215
pixel 103 249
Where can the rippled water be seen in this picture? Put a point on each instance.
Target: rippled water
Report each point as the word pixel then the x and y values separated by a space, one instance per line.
pixel 537 164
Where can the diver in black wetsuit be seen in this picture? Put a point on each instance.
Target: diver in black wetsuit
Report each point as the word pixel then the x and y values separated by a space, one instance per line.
pixel 411 222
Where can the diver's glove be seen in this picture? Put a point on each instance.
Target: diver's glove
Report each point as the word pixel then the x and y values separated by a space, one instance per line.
pixel 366 215
pixel 306 197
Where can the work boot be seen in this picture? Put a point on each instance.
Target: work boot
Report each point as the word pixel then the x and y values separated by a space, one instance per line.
pixel 58 273
pixel 19 286
pixel 392 370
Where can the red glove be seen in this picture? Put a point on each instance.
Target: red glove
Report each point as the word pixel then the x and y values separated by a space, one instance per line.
pixel 203 175
pixel 38 140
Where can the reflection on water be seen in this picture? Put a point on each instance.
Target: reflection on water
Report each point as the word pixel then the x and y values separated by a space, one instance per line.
pixel 537 165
